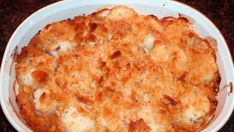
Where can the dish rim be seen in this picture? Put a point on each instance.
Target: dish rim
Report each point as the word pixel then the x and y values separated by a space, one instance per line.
pixel 3 104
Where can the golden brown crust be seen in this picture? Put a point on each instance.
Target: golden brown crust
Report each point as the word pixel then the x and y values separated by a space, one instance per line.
pixel 117 70
pixel 138 126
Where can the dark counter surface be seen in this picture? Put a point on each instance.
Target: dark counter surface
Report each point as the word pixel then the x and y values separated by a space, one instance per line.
pixel 13 12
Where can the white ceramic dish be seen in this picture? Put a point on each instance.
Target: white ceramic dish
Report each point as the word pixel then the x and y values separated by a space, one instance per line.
pixel 68 9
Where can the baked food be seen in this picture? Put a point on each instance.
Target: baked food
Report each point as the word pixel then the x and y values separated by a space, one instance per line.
pixel 117 72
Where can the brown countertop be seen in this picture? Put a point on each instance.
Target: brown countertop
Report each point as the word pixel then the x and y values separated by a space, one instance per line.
pixel 13 12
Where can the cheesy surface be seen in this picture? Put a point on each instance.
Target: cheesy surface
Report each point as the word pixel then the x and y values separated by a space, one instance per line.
pixel 116 70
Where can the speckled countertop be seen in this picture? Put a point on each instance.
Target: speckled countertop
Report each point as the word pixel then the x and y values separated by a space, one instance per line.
pixel 13 12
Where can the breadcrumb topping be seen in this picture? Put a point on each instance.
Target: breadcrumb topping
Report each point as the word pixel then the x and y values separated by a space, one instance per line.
pixel 116 70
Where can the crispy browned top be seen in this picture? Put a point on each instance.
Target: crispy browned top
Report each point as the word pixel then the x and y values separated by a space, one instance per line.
pixel 116 70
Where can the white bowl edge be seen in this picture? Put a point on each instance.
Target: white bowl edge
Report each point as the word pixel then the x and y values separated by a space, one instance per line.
pixel 37 16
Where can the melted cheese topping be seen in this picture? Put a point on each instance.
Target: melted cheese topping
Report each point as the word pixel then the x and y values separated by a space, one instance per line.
pixel 116 70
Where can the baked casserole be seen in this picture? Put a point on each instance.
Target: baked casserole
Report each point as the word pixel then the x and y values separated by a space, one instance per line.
pixel 116 70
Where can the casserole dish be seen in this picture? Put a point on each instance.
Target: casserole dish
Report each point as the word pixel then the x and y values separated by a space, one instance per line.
pixel 70 9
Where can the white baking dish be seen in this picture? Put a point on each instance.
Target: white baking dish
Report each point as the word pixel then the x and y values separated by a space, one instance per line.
pixel 68 9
